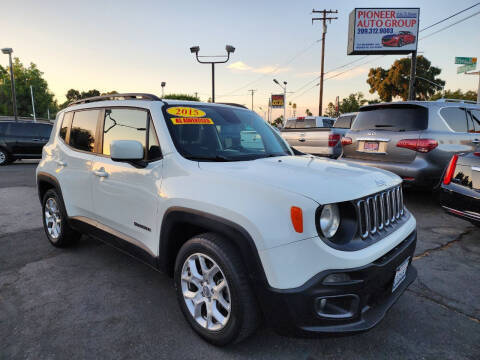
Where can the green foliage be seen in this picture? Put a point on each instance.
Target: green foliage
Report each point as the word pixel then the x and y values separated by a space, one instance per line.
pixel 393 82
pixel 74 95
pixel 278 122
pixel 352 103
pixel 331 111
pixel 457 94
pixel 24 77
pixel 181 97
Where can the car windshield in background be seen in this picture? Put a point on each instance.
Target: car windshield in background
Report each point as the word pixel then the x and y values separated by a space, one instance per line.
pixel 214 133
pixel 392 118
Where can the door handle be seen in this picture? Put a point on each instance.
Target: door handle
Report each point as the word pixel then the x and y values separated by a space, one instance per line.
pixel 61 163
pixel 37 140
pixel 475 141
pixel 100 173
pixel 301 140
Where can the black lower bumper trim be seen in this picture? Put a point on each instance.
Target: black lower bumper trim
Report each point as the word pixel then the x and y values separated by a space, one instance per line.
pixel 294 311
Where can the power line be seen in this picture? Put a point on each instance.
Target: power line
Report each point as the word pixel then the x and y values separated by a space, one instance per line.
pixel 451 16
pixel 449 26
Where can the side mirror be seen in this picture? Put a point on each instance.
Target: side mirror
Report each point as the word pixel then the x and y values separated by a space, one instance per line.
pixel 127 151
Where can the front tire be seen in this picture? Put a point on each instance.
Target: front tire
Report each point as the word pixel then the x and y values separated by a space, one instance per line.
pixel 55 223
pixel 213 290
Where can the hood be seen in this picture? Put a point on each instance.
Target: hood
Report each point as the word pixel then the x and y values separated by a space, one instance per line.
pixel 322 180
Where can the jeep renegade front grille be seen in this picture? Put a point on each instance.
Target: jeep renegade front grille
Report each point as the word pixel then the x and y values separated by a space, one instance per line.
pixel 380 211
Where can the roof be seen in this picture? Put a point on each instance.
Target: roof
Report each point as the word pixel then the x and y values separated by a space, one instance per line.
pixel 437 103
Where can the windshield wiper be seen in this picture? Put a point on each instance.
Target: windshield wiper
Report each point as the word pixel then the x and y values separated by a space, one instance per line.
pixel 219 158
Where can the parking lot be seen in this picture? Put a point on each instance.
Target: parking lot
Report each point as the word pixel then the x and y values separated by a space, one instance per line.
pixel 92 301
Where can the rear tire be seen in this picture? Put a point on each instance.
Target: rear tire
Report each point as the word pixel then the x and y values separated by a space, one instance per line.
pixel 55 221
pixel 5 158
pixel 214 293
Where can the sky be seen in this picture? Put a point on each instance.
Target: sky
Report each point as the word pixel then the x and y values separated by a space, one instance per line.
pixel 132 46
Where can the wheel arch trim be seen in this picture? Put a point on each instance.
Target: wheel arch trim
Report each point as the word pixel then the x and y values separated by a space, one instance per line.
pixel 234 232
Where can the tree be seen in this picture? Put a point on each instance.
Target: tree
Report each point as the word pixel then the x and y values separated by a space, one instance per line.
pixel 394 81
pixel 331 110
pixel 308 112
pixel 278 122
pixel 352 103
pixel 24 77
pixel 182 97
pixel 457 94
pixel 74 95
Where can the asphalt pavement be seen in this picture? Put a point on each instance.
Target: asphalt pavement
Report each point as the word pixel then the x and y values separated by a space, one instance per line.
pixel 91 301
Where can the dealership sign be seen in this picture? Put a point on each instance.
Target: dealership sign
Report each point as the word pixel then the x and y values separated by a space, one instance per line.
pixel 278 101
pixel 383 31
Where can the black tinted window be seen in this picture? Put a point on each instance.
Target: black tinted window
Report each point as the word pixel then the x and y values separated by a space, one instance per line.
pixel 124 124
pixel 20 129
pixel 394 118
pixel 66 124
pixel 343 122
pixel 455 118
pixel 42 130
pixel 82 134
pixel 3 128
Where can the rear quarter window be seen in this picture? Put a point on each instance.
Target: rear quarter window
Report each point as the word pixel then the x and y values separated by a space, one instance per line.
pixel 343 122
pixel 392 117
pixel 456 118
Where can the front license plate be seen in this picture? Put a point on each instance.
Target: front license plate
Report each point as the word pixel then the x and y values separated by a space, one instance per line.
pixel 370 146
pixel 400 274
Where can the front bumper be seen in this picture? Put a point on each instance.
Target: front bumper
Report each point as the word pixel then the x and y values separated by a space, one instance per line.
pixel 368 296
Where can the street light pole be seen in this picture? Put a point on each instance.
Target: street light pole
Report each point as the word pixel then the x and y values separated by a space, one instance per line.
pixel 284 87
pixel 162 84
pixel 9 51
pixel 230 50
pixel 33 104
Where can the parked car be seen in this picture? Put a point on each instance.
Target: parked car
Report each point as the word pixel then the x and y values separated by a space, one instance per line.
pixel 460 189
pixel 22 140
pixel 413 139
pixel 400 39
pixel 314 245
pixel 313 135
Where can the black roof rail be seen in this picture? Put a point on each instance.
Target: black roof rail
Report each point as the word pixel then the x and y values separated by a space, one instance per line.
pixel 233 104
pixel 127 96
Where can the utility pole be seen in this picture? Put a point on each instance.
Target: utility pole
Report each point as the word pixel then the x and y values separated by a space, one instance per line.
pixel 252 92
pixel 325 16
pixel 413 71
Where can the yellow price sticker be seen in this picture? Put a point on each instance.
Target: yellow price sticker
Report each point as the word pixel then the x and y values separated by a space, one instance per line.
pixel 192 121
pixel 185 111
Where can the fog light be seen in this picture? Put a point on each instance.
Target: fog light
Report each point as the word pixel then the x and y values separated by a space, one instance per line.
pixel 337 307
pixel 336 278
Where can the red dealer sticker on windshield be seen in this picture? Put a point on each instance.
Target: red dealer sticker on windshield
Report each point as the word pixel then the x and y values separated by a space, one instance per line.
pixel 192 120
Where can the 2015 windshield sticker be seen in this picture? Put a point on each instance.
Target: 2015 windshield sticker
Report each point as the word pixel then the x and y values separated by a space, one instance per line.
pixel 185 111
pixel 192 121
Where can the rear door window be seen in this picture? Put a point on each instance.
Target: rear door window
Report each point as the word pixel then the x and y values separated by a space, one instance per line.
pixel 19 129
pixel 42 130
pixel 3 128
pixel 456 118
pixel 392 117
pixel 343 122
pixel 83 132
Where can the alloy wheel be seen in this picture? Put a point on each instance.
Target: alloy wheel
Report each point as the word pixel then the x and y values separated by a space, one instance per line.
pixel 206 292
pixel 53 218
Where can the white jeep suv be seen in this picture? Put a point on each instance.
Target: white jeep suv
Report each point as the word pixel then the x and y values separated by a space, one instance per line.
pixel 212 195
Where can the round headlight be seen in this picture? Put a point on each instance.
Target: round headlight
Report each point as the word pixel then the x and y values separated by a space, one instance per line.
pixel 329 220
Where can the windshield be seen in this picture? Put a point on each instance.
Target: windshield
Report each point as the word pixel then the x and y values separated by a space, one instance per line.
pixel 214 133
pixel 392 117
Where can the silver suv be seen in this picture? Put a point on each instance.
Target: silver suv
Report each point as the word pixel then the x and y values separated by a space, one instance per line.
pixel 414 139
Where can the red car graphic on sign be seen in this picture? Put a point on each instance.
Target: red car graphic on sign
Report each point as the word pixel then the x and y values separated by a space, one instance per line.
pixel 400 39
